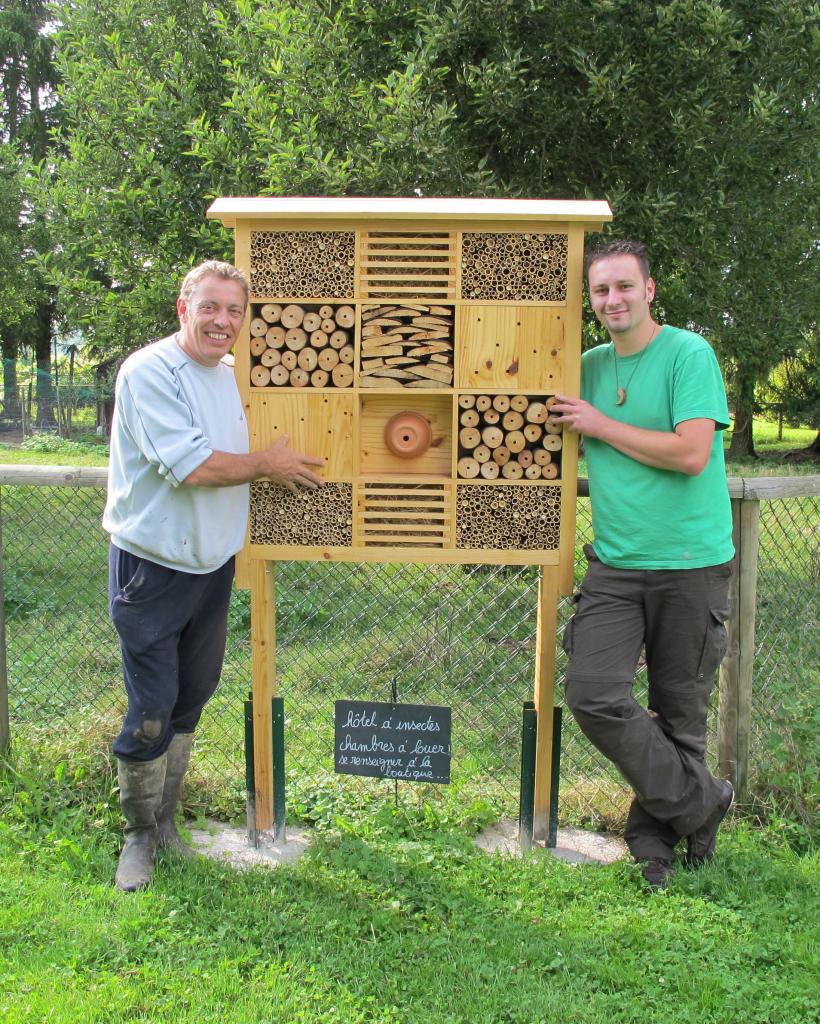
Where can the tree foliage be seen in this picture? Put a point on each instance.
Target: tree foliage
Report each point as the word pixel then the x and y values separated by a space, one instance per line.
pixel 696 119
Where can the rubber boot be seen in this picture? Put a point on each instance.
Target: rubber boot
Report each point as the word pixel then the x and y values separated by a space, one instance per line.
pixel 141 785
pixel 177 757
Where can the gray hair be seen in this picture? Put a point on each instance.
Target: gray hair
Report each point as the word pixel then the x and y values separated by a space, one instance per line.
pixel 212 268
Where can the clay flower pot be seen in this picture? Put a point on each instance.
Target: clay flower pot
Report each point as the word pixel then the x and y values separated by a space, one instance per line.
pixel 408 434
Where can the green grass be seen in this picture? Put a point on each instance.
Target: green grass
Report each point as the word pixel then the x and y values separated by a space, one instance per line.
pixel 392 918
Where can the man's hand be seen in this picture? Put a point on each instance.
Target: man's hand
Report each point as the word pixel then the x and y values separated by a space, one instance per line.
pixel 278 463
pixel 685 449
pixel 290 469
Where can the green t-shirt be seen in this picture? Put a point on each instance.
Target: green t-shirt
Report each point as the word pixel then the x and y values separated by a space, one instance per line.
pixel 647 518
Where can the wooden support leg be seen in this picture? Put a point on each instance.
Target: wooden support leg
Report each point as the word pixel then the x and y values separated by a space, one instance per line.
pixel 263 660
pixel 544 696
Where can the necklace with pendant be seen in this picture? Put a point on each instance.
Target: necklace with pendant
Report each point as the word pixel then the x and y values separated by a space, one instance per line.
pixel 622 391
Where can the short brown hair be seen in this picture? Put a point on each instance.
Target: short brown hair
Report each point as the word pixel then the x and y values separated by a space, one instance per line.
pixel 212 268
pixel 619 247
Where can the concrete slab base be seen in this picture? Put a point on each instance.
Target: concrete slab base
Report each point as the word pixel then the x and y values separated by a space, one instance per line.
pixel 574 845
pixel 229 845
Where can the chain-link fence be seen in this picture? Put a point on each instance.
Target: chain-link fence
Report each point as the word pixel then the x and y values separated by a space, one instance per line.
pixel 442 634
pixel 67 400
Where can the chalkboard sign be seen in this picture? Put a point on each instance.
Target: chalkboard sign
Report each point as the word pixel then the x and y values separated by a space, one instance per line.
pixel 409 742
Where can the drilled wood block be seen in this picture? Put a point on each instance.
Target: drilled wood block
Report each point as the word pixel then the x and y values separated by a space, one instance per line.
pixel 508 517
pixel 303 264
pixel 514 267
pixel 317 424
pixel 318 518
pixel 511 346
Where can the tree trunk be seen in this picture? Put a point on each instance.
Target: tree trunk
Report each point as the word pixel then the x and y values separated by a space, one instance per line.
pixel 11 393
pixel 742 443
pixel 42 354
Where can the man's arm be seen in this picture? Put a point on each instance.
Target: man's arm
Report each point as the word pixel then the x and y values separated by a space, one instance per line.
pixel 278 463
pixel 684 450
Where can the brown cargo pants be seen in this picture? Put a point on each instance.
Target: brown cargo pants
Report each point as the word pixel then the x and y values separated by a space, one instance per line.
pixel 677 616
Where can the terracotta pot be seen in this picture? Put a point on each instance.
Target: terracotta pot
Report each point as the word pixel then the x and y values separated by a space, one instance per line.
pixel 408 434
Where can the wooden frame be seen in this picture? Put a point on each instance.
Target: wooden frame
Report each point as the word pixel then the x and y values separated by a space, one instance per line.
pixel 438 304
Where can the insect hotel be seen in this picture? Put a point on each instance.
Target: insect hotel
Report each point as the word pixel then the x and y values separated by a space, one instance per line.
pixel 415 345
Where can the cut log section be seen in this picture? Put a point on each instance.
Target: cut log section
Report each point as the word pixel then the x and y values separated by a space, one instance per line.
pixel 507 429
pixel 299 339
pixel 420 335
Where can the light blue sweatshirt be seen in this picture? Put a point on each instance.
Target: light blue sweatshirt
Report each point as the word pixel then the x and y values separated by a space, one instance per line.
pixel 171 413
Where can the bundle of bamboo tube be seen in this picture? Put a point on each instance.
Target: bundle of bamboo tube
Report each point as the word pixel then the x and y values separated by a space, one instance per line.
pixel 407 345
pixel 302 345
pixel 512 437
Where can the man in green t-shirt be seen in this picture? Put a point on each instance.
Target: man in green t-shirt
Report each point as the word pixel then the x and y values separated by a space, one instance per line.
pixel 652 412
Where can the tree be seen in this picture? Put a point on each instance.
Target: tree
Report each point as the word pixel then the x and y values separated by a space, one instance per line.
pixel 794 389
pixel 27 114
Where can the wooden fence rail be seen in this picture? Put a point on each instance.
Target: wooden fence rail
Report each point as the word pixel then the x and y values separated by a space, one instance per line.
pixel 737 670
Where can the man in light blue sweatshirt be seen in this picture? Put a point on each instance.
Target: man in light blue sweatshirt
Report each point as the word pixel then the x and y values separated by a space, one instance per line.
pixel 177 513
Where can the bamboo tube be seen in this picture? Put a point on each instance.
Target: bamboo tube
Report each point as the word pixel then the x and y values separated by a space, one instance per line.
pixel 260 376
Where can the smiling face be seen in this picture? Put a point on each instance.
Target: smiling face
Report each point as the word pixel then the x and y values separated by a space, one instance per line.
pixel 620 295
pixel 210 319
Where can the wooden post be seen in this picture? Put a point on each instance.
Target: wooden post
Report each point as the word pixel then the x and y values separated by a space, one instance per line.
pixel 544 696
pixel 4 681
pixel 737 670
pixel 263 654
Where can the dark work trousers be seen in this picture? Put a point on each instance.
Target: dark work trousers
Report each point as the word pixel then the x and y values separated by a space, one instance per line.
pixel 678 617
pixel 172 627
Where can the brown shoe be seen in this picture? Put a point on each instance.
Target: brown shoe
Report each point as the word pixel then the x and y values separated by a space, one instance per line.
pixel 657 871
pixel 700 846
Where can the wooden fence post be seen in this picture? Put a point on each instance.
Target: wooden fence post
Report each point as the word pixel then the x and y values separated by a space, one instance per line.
pixel 4 680
pixel 737 670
